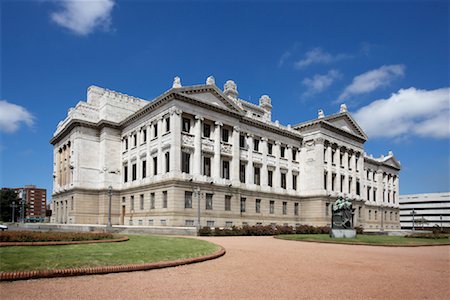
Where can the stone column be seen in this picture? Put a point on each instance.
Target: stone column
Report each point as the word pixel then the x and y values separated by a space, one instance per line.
pixel 160 152
pixel 264 176
pixel 175 147
pixel 249 167
pixel 339 172
pixel 217 144
pixel 196 168
pixel 353 164
pixel 330 171
pixel 235 161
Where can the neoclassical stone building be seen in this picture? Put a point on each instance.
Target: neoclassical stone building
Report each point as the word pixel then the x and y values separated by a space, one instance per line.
pixel 200 155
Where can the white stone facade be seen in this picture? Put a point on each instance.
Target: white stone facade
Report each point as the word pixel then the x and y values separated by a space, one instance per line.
pixel 199 144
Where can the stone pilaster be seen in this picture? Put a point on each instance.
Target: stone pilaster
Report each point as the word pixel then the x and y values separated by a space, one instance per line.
pixel 249 167
pixel 175 147
pixel 235 161
pixel 197 159
pixel 217 142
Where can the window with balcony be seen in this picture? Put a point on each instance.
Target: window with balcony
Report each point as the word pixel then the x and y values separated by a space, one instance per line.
pixel 282 151
pixel 135 140
pixel 167 156
pixel 155 165
pixel 185 162
pixel 269 148
pixel 270 178
pixel 207 166
pixel 358 188
pixel 374 194
pixel 186 125
pixel 225 135
pixel 283 180
pixel 294 154
pixel 242 172
pixel 133 172
pixel 155 130
pixel 167 124
pixel 242 141
pixel 226 169
pixel 325 175
pixel 144 169
pixel 256 145
pixel 257 175
pixel 206 130
pixel 125 173
pixel 144 135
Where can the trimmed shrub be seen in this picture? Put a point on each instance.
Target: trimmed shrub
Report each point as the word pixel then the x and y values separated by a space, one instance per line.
pixel 52 236
pixel 247 230
pixel 359 229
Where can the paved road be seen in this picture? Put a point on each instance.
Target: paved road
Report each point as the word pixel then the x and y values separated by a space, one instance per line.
pixel 267 268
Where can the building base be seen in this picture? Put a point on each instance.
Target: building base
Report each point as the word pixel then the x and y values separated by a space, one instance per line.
pixel 343 233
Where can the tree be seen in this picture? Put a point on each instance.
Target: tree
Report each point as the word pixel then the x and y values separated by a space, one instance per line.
pixel 7 198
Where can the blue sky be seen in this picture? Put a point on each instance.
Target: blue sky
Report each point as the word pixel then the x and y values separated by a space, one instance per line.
pixel 388 61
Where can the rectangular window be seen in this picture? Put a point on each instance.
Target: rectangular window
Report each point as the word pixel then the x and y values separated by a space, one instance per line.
pixel 227 202
pixel 283 180
pixel 269 148
pixel 167 124
pixel 243 204
pixel 209 201
pixel 163 222
pixel 210 223
pixel 256 145
pixel 242 172
pixel 327 209
pixel 284 208
pixel 282 151
pixel 123 199
pixel 144 169
pixel 294 154
pixel 228 223
pixel 358 191
pixel 189 222
pixel 150 222
pixel 187 199
pixel 342 183
pixel 125 173
pixel 270 178
pixel 186 125
pixel 241 141
pixel 135 140
pixel 144 135
pixel 333 154
pixel 359 211
pixel 131 203
pixel 164 194
pixel 185 158
pixel 126 143
pixel 272 207
pixel 152 200
pixel 350 184
pixel 226 169
pixel 155 165
pixel 294 182
pixel 374 194
pixel 225 134
pixel 376 215
pixel 206 130
pixel 257 176
pixel 325 175
pixel 155 130
pixel 134 172
pixel 296 208
pixel 207 166
pixel 141 201
pixel 258 206
pixel 370 214
pixel 167 155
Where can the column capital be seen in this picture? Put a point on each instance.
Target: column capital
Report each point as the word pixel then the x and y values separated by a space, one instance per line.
pixel 175 110
pixel 277 143
pixel 250 135
pixel 199 118
pixel 217 123
pixel 289 146
pixel 319 140
pixel 264 139
pixel 237 128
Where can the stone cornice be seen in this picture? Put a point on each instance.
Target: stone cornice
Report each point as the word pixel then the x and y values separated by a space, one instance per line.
pixel 82 123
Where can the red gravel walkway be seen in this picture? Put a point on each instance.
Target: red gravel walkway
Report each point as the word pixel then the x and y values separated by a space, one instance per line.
pixel 267 268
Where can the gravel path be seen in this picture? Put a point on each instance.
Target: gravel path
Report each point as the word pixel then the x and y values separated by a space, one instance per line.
pixel 267 268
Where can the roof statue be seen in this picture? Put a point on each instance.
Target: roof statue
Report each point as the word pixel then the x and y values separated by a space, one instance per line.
pixel 343 108
pixel 320 114
pixel 176 82
pixel 210 80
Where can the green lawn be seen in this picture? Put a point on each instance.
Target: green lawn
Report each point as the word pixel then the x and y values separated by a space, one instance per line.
pixel 365 239
pixel 139 249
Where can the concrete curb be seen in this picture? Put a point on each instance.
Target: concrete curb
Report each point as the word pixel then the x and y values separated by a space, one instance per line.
pixel 363 244
pixel 59 243
pixel 25 275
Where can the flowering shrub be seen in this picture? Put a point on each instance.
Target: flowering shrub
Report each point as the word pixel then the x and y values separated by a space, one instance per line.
pixel 263 230
pixel 52 236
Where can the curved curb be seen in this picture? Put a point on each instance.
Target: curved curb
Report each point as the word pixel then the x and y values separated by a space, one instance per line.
pixel 24 275
pixel 58 243
pixel 363 244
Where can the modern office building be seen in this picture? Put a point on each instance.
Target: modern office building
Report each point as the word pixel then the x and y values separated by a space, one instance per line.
pixel 425 210
pixel 201 155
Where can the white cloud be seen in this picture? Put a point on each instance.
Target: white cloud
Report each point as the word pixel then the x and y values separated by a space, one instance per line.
pixel 11 115
pixel 408 112
pixel 84 16
pixel 318 56
pixel 373 79
pixel 319 83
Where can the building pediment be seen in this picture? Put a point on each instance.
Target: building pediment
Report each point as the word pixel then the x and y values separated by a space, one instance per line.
pixel 211 95
pixel 392 162
pixel 345 122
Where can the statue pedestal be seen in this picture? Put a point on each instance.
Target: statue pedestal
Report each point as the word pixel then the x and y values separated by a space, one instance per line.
pixel 343 233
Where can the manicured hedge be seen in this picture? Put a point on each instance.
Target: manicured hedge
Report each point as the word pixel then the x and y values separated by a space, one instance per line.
pixel 52 236
pixel 267 230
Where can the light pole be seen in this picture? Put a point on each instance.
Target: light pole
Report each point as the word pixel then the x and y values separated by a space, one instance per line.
pixel 13 207
pixel 109 206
